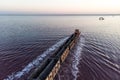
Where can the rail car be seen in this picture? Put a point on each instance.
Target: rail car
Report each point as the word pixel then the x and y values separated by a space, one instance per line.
pixel 51 65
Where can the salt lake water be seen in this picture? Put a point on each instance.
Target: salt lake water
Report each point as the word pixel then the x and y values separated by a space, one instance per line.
pixel 25 41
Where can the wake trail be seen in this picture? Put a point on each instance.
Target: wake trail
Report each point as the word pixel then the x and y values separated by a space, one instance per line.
pixel 35 62
pixel 77 57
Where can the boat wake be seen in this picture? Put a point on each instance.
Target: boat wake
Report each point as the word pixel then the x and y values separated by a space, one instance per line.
pixel 77 57
pixel 36 62
pixel 93 58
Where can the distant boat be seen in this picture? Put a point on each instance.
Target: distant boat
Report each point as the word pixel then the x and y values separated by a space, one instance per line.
pixel 101 18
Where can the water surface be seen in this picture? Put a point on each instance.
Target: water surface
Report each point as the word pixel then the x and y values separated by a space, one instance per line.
pixel 26 40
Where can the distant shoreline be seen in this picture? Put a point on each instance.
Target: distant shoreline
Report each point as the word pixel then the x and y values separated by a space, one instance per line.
pixel 59 14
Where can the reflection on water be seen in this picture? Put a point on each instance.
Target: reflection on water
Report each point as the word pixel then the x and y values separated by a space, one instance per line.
pixel 24 38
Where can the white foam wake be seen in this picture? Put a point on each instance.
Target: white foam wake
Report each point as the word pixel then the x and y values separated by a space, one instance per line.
pixel 77 56
pixel 35 62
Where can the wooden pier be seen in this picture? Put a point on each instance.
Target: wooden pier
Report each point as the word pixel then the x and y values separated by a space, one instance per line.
pixel 51 65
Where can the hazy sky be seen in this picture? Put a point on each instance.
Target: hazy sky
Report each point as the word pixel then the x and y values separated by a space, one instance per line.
pixel 60 6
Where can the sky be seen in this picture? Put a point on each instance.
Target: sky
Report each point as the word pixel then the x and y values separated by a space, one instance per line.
pixel 60 6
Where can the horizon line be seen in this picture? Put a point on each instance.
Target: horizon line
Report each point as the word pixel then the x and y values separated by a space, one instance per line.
pixel 56 14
